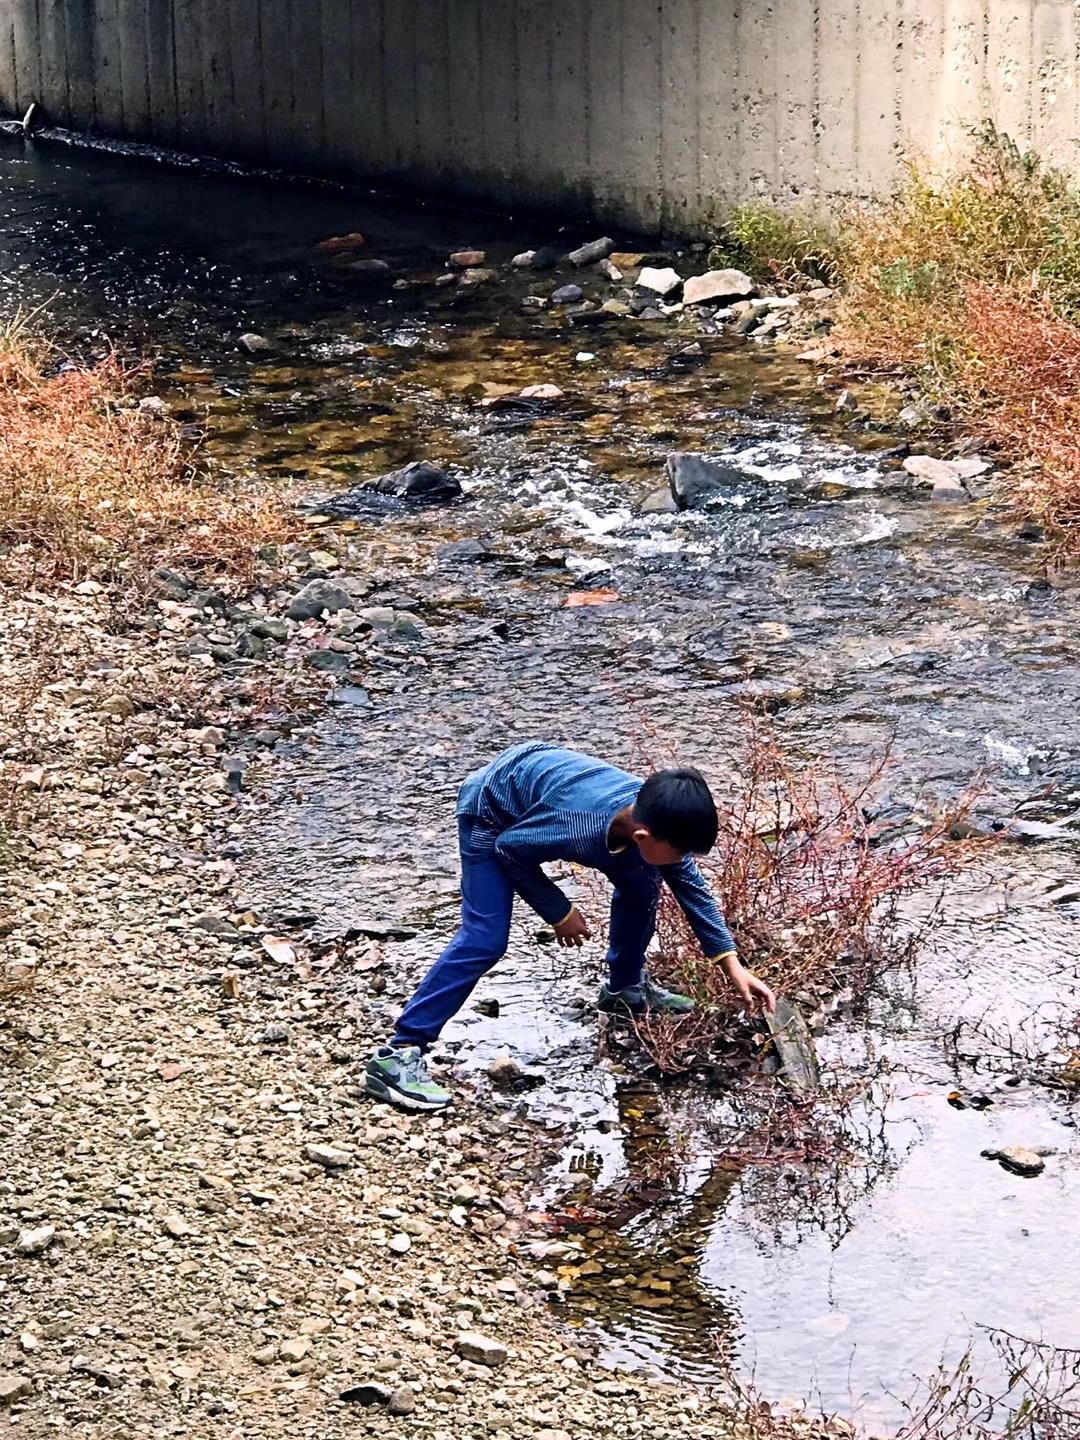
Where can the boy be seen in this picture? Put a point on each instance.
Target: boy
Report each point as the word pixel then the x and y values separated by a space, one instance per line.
pixel 536 803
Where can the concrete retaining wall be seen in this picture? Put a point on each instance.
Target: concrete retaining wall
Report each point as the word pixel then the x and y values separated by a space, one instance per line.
pixel 654 112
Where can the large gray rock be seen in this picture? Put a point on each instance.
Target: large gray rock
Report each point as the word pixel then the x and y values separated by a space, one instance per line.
pixel 418 481
pixel 696 481
pixel 316 597
pixel 718 286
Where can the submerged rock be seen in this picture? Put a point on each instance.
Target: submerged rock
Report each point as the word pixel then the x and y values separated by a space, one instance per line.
pixel 1018 1159
pixel 567 295
pixel 696 481
pixel 419 480
pixel 253 344
pixel 658 502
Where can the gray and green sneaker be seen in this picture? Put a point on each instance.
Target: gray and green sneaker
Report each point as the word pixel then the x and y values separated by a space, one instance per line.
pixel 645 997
pixel 401 1076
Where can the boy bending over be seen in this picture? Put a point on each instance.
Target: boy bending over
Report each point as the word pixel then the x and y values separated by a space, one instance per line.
pixel 536 803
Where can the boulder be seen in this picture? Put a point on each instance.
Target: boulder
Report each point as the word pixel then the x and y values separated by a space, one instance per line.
pixel 721 286
pixel 418 481
pixel 696 481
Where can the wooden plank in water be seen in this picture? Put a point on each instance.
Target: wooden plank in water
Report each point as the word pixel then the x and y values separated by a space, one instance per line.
pixel 794 1047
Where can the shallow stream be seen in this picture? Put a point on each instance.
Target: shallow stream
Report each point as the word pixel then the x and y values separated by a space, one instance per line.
pixel 857 611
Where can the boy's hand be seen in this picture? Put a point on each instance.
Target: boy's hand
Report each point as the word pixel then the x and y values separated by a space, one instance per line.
pixel 574 930
pixel 754 993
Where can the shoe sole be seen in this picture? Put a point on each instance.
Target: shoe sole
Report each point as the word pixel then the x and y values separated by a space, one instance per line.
pixel 380 1090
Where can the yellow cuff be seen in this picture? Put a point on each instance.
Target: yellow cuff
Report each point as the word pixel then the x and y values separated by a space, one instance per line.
pixel 727 955
pixel 565 917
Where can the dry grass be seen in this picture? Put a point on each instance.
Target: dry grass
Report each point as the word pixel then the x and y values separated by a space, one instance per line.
pixel 810 886
pixel 973 281
pixel 88 482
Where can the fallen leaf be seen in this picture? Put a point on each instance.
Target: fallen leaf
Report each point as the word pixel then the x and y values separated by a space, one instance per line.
pixel 335 243
pixel 279 949
pixel 172 1070
pixel 590 597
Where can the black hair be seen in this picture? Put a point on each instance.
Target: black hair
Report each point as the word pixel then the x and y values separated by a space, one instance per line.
pixel 677 806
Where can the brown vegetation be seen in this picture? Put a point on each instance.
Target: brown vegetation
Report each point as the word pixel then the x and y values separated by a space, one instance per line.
pixel 810 885
pixel 972 281
pixel 89 482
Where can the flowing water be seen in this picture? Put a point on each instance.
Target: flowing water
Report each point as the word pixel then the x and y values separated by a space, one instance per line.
pixel 841 599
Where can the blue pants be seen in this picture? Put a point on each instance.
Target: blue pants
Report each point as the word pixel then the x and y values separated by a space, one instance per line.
pixel 487 899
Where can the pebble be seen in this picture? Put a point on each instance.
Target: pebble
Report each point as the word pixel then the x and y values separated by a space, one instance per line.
pixel 35 1242
pixel 292 1351
pixel 400 1244
pixel 319 597
pixel 1018 1159
pixel 481 1351
pixel 592 252
pixel 252 343
pixel 328 1156
pixel 14 1387
pixel 467 259
pixel 659 282
pixel 402 1401
pixel 369 1393
pixel 567 295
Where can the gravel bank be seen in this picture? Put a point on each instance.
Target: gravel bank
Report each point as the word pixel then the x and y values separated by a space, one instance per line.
pixel 205 1228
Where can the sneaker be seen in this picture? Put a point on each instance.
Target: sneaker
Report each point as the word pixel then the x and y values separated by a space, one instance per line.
pixel 401 1076
pixel 644 997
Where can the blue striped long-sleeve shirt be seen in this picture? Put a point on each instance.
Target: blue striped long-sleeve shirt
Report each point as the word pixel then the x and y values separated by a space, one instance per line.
pixel 537 802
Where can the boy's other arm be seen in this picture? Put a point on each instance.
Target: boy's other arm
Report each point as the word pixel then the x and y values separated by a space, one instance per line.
pixel 698 904
pixel 521 850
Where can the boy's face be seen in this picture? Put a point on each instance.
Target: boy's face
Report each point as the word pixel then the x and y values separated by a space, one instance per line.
pixel 654 851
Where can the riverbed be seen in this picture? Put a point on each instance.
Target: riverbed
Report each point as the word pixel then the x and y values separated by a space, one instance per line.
pixel 831 593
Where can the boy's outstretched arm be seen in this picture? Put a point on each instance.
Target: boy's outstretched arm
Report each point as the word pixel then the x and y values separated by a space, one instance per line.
pixel 698 904
pixel 521 851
